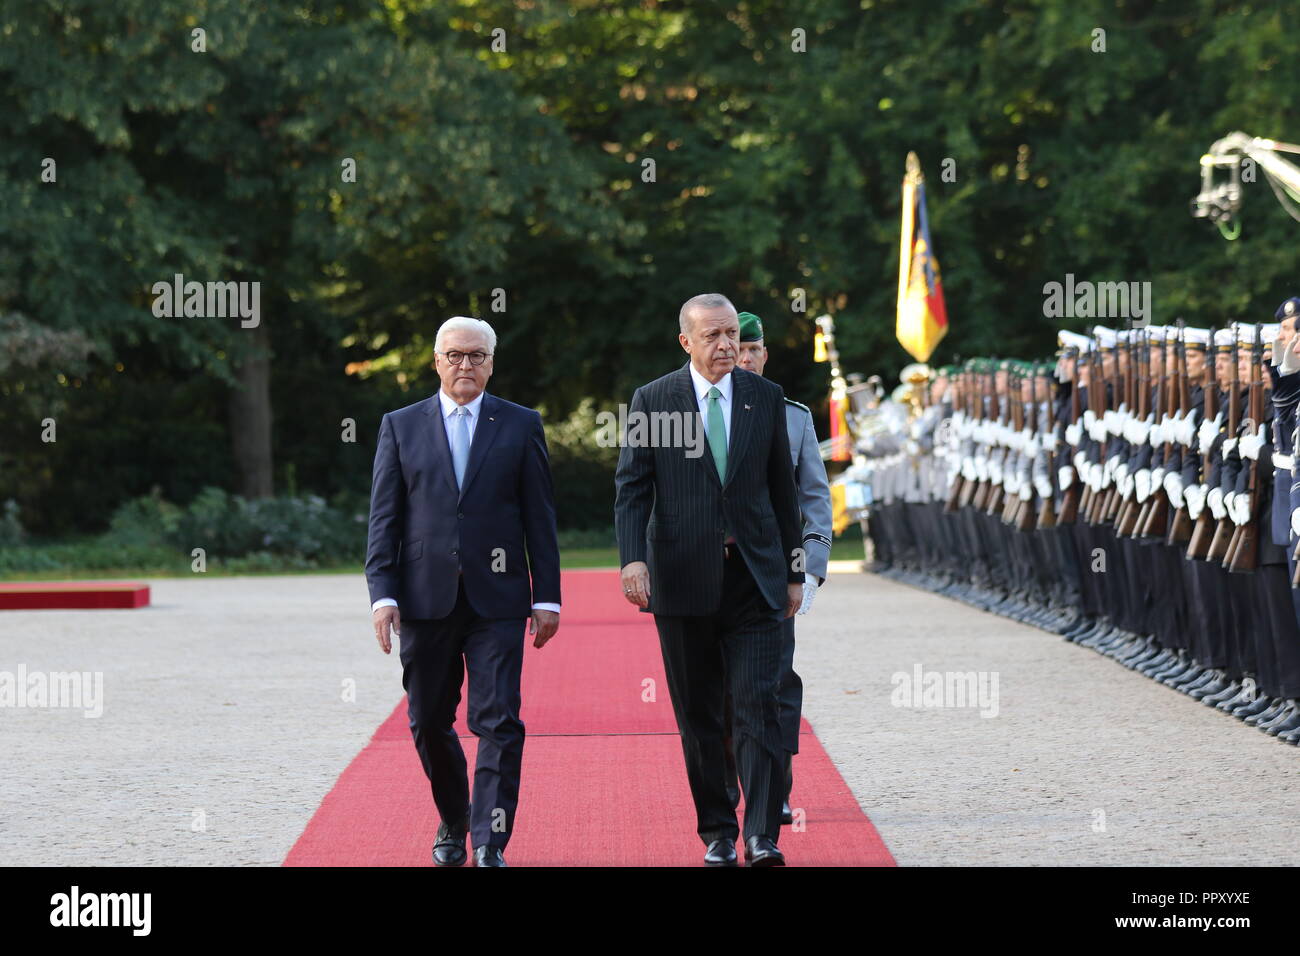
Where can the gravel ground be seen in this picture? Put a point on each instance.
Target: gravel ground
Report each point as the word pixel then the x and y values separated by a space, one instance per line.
pixel 1084 763
pixel 225 722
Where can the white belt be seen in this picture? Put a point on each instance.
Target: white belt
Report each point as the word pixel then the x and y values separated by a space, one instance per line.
pixel 1283 461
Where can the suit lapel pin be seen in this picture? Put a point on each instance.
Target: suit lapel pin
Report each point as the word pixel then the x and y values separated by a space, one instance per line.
pixel 746 408
pixel 491 419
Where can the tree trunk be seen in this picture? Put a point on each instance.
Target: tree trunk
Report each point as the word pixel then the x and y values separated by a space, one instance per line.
pixel 250 417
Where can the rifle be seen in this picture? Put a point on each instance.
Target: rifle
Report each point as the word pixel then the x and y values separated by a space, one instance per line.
pixel 1085 367
pixel 1128 520
pixel 986 404
pixel 1026 519
pixel 1016 406
pixel 1225 530
pixel 1180 525
pixel 1203 532
pixel 958 405
pixel 1155 513
pixel 1097 399
pixel 1047 510
pixel 1122 396
pixel 995 487
pixel 1070 498
pixel 1244 556
pixel 974 411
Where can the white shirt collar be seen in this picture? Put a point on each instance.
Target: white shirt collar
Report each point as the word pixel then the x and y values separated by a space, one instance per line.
pixel 702 385
pixel 449 404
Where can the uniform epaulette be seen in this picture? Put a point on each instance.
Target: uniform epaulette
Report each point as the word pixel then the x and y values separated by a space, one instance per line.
pixel 791 401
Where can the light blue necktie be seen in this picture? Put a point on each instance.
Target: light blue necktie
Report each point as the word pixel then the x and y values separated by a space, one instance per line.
pixel 460 442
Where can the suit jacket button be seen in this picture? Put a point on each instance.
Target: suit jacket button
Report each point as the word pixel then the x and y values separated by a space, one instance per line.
pixel 460 514
pixel 453 550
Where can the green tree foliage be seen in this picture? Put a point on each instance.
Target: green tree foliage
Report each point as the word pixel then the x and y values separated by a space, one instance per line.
pixel 501 145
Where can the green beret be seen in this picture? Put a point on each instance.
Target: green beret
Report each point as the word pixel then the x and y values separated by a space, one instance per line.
pixel 751 329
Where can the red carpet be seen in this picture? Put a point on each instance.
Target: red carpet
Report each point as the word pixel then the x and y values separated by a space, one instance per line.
pixel 603 783
pixel 45 595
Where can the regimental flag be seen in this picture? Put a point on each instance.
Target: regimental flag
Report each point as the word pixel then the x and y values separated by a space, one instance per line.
pixel 922 319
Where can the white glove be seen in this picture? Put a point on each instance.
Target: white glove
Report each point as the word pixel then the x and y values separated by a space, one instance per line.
pixel 1073 433
pixel 1240 509
pixel 1065 477
pixel 1043 485
pixel 1290 362
pixel 1215 500
pixel 1208 431
pixel 1252 443
pixel 1187 430
pixel 1228 445
pixel 1142 430
pixel 1026 491
pixel 1051 441
pixel 1230 506
pixel 1174 488
pixel 1089 420
pixel 1295 522
pixel 1121 472
pixel 1081 463
pixel 1142 484
pixel 1194 495
pixel 809 592
pixel 1157 478
pixel 1174 427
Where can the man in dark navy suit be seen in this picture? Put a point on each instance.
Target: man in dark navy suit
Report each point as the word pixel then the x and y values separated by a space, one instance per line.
pixel 709 539
pixel 461 511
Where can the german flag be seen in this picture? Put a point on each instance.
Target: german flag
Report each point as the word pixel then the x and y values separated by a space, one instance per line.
pixel 922 318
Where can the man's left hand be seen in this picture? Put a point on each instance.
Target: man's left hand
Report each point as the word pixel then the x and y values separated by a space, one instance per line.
pixel 793 598
pixel 544 624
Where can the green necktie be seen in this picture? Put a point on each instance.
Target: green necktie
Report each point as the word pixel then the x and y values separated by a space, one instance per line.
pixel 717 434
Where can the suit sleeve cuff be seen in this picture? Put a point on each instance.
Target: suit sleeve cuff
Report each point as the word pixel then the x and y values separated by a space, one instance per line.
pixel 545 606
pixel 382 602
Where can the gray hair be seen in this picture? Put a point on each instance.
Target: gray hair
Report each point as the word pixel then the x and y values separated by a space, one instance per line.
pixel 463 323
pixel 705 300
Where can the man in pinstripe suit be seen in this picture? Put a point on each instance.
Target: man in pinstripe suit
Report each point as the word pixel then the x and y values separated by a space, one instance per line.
pixel 710 544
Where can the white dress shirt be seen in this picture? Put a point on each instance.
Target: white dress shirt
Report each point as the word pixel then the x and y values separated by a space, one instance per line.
pixel 702 386
pixel 449 405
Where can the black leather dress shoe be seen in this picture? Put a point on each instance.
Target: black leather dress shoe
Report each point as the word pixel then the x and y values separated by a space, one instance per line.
pixel 489 856
pixel 721 853
pixel 761 851
pixel 787 817
pixel 449 844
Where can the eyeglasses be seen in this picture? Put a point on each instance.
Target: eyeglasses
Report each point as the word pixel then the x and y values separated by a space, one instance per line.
pixel 475 358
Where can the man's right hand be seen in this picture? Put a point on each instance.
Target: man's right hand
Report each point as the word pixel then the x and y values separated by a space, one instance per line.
pixel 384 617
pixel 636 583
